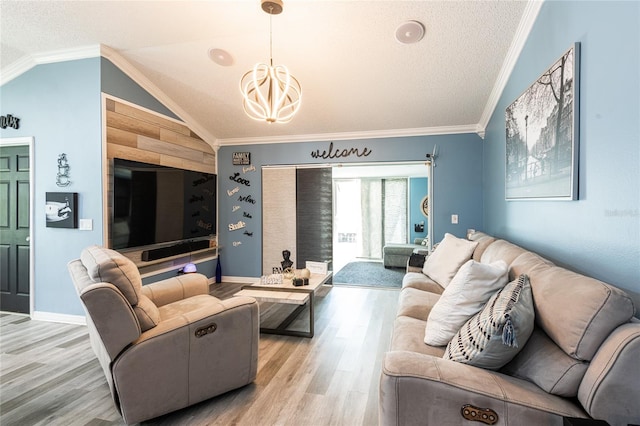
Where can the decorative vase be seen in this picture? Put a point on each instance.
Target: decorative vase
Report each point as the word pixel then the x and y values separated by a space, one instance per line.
pixel 218 271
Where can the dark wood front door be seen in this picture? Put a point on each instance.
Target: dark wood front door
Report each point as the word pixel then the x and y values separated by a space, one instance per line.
pixel 14 229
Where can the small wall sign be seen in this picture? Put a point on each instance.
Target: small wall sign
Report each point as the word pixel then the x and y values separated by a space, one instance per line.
pixel 241 158
pixel 9 121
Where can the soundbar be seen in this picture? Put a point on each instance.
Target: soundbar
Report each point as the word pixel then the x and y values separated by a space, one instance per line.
pixel 159 253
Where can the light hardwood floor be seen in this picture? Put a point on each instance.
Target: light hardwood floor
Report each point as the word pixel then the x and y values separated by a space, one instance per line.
pixel 49 374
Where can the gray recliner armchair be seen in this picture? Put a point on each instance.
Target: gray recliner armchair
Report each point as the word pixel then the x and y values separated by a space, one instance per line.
pixel 166 345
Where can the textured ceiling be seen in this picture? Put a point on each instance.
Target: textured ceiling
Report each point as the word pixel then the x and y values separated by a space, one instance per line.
pixel 356 78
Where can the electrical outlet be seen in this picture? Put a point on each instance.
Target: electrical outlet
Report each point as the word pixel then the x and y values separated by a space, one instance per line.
pixel 86 224
pixel 454 219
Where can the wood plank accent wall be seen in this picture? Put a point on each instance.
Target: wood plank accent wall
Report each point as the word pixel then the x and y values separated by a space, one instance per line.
pixel 138 135
pixel 135 134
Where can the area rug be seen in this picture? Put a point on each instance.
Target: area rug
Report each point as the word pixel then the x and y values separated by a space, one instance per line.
pixel 369 274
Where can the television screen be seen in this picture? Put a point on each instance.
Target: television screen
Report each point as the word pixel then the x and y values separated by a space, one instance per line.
pixel 157 204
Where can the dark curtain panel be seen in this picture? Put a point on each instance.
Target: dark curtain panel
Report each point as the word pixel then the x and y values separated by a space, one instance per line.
pixel 314 215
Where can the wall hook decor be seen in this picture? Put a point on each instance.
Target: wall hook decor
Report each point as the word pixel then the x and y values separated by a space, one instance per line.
pixel 62 178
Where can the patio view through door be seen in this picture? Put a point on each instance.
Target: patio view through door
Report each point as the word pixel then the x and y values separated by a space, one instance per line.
pixel 373 207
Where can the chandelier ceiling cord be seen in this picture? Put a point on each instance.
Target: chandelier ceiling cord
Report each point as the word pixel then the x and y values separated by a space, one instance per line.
pixel 270 93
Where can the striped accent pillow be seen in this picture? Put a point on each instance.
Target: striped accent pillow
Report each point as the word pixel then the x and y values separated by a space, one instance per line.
pixel 495 335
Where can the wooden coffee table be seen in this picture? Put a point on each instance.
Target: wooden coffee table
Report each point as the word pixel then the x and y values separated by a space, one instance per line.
pixel 287 293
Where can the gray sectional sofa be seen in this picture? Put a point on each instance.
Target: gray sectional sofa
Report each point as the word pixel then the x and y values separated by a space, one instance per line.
pixel 582 359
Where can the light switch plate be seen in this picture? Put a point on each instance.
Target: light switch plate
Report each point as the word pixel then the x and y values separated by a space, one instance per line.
pixel 86 224
pixel 454 219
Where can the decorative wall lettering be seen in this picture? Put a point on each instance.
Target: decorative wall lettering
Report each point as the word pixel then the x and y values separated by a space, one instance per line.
pixel 62 178
pixel 204 179
pixel 9 121
pixel 246 199
pixel 251 168
pixel 233 191
pixel 247 215
pixel 237 243
pixel 235 209
pixel 331 153
pixel 205 225
pixel 241 158
pixel 247 233
pixel 236 178
pixel 235 226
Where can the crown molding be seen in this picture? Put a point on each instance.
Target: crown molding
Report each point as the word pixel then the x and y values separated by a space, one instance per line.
pixel 522 34
pixel 374 134
pixel 26 63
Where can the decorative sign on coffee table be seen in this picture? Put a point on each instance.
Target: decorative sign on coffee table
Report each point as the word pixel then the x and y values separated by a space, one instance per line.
pixel 317 267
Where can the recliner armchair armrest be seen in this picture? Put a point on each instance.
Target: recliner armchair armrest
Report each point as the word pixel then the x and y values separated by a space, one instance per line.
pixel 177 288
pixel 424 389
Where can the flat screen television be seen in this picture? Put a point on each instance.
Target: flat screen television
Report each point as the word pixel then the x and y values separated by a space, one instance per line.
pixel 157 204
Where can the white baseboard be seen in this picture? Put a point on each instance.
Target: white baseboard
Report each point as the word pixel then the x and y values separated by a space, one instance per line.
pixel 244 280
pixel 54 317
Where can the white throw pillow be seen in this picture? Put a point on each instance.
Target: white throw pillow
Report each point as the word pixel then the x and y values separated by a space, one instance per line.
pixel 467 293
pixel 447 258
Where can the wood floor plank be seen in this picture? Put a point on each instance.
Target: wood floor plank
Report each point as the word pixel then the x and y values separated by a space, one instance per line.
pixel 50 376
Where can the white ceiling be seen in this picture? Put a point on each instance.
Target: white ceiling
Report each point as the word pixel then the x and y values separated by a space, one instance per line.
pixel 357 80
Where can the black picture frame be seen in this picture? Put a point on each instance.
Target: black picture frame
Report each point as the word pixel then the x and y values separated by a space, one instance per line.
pixel 62 210
pixel 542 140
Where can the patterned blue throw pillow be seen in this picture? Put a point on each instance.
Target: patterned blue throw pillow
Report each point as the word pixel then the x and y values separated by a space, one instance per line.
pixel 495 335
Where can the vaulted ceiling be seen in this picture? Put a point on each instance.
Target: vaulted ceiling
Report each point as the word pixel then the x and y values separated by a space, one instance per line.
pixel 357 79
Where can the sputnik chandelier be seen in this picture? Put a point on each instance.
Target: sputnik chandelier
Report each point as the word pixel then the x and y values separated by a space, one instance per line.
pixel 270 93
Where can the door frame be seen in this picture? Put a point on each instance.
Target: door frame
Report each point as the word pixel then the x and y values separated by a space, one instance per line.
pixel 28 141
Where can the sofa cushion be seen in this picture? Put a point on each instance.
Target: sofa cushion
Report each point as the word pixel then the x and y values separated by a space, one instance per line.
pixel 106 265
pixel 493 336
pixel 416 303
pixel 501 250
pixel 447 258
pixel 577 312
pixel 466 294
pixel 407 336
pixel 542 362
pixel 483 241
pixel 420 281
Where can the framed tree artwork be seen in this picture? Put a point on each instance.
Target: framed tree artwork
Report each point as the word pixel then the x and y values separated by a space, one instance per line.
pixel 542 135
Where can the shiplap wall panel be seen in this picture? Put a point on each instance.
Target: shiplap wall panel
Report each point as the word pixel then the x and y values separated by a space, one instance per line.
pixel 135 134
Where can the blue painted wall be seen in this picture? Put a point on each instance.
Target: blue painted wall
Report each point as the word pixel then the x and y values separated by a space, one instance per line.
pixel 600 233
pixel 59 105
pixel 457 187
pixel 116 83
pixel 418 188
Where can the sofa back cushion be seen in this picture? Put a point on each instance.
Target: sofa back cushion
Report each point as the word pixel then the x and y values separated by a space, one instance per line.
pixel 542 362
pixel 106 265
pixel 483 240
pixel 577 312
pixel 501 250
pixel 447 258
pixel 109 266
